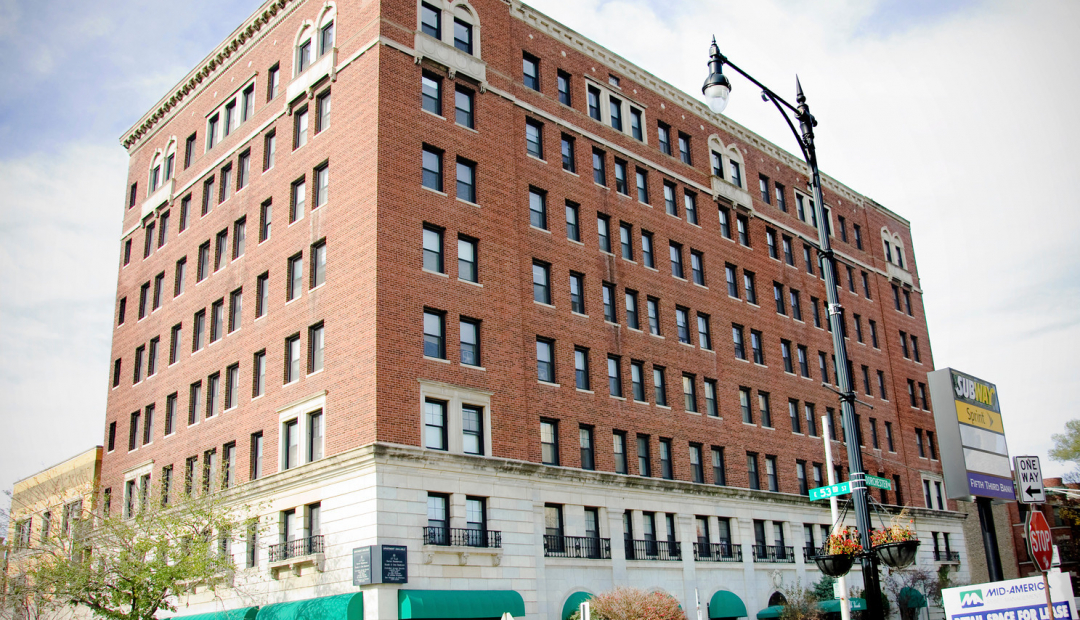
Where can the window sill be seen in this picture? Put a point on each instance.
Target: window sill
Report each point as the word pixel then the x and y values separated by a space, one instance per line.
pixel 543 230
pixel 436 359
pixel 433 191
pixel 622 194
pixel 742 359
pixel 702 286
pixel 679 278
pixel 612 324
pixel 575 242
pixel 713 351
pixel 571 172
pixel 543 305
pixel 622 398
pixel 534 157
pixel 464 365
pixel 608 253
pixel 435 273
pixel 652 268
pixel 584 316
pixel 604 187
pixel 760 365
pixel 687 344
pixel 630 260
pixel 640 402
pixel 697 413
pixel 668 407
pixel 674 215
pixel 754 425
pixel 657 336
pixel 548 383
pixel 585 391
pixel 469 202
pixel 634 329
pixel 645 204
pixel 471 283
pixel 438 116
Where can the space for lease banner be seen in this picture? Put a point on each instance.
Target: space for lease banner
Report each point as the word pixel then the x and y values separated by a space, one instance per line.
pixel 1016 599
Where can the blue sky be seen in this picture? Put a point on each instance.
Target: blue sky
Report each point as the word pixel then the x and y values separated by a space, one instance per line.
pixel 959 116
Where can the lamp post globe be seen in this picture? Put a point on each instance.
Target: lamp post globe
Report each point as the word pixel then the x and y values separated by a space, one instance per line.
pixel 717 87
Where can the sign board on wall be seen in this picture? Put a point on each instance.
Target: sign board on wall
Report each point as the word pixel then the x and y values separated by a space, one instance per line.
pixel 1016 599
pixel 971 438
pixel 380 564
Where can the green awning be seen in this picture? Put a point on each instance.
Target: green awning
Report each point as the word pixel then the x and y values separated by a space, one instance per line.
pixel 772 611
pixel 458 604
pixel 339 607
pixel 911 598
pixel 573 602
pixel 726 604
pixel 833 606
pixel 244 613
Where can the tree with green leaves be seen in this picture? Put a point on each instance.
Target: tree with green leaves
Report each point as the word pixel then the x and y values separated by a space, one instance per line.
pixel 127 566
pixel 1067 448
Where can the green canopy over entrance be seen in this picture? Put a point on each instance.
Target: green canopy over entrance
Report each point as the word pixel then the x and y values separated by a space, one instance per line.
pixel 772 611
pixel 339 607
pixel 573 602
pixel 416 604
pixel 726 604
pixel 244 613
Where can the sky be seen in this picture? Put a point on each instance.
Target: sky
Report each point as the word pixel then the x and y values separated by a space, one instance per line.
pixel 959 116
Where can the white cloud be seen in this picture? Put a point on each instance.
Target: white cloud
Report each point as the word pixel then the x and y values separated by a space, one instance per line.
pixel 59 244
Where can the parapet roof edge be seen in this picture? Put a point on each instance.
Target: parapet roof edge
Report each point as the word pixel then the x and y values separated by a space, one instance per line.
pixel 55 465
pixel 587 46
pixel 204 69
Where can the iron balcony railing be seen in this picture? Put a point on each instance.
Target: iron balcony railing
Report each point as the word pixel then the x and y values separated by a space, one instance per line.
pixel 775 554
pixel 589 547
pixel 717 552
pixel 296 548
pixel 946 556
pixel 462 537
pixel 664 550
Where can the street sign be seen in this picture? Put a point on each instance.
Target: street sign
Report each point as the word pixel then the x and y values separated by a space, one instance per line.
pixel 842 488
pixel 1040 544
pixel 1029 480
pixel 878 483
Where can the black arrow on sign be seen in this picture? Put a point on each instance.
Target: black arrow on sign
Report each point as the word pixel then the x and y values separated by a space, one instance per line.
pixel 1029 492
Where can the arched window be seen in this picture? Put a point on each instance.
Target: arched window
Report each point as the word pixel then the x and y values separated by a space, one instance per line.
pixel 326 25
pixel 894 248
pixel 304 53
pixel 736 167
pixel 453 22
pixel 154 178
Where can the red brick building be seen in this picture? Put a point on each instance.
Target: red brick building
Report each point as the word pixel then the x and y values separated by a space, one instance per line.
pixel 629 346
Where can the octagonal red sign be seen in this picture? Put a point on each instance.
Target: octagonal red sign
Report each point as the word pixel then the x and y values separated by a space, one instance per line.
pixel 1040 543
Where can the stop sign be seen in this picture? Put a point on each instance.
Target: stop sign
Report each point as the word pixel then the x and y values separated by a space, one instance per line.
pixel 1040 546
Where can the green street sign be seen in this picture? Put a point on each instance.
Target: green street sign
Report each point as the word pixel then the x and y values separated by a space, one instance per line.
pixel 878 483
pixel 842 488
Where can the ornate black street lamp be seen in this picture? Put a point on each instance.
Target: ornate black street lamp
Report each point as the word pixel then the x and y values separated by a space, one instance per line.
pixel 717 89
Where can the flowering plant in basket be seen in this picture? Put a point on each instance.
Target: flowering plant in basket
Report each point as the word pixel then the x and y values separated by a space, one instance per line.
pixel 895 532
pixel 844 542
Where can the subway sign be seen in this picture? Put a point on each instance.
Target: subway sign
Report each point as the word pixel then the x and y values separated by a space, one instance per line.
pixel 971 435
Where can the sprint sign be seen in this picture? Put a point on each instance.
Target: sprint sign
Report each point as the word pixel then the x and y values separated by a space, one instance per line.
pixel 1040 545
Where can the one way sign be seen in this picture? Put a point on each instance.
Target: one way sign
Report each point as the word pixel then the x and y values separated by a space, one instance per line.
pixel 1029 481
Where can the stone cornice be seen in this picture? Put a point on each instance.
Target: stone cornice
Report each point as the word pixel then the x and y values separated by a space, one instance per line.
pixel 242 38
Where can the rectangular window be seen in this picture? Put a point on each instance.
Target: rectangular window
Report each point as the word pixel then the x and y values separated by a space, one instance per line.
pixel 603 232
pixel 430 20
pixel 545 360
pixel 213 394
pixel 682 323
pixel 472 429
pixel 642 186
pixel 594 103
pixel 757 345
pixel 300 128
pixel 690 404
pixel 637 380
pixel 804 366
pixel 752 470
pixel 194 402
pixel 470 341
pixel 736 173
pixel 732 285
pixel 697 267
pixel 434 334
pixel 793 413
pixel 647 249
pixel 744 405
pixel 719 470
pixel 581 368
pixel 771 474
pixel 659 386
pixel 632 310
pixel 778 296
pixel 262 294
pixel 585 439
pixel 291 439
pixel 711 408
pixel 690 205
pixel 563 79
pixel 669 199
pixel 468 265
pixel 433 248
pixel 463 107
pixel 139 352
pixel 620 178
pixel 663 133
pixel 538 209
pixel 530 69
pixel 541 282
pixel 292 358
pixel 684 149
pixel 858 235
pixel 615 106
pixel 567 148
pixel 432 176
pixel 614 366
pixel 435 433
pixel 549 442
pixel 573 228
pixel 269 148
pixel 653 306
pixel 221 249
pixel 644 459
pixel 765 409
pixel 316 347
pixel 315 436
pixel 704 335
pixel 295 282
pixel 666 469
pixel 598 167
pixel 534 138
pixel 217 320
pixel 199 330
pixel 675 252
pixel 232 386
pixel 636 124
pixel 785 353
pixel 189 151
pixel 619 441
pixel 258 374
pixel 881 384
pixel 608 291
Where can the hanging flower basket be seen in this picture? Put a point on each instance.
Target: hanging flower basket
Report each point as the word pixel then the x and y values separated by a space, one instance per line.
pixel 839 552
pixel 898 554
pixel 834 565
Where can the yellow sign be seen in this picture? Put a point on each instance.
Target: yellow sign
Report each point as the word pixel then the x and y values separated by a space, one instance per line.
pixel 977 416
